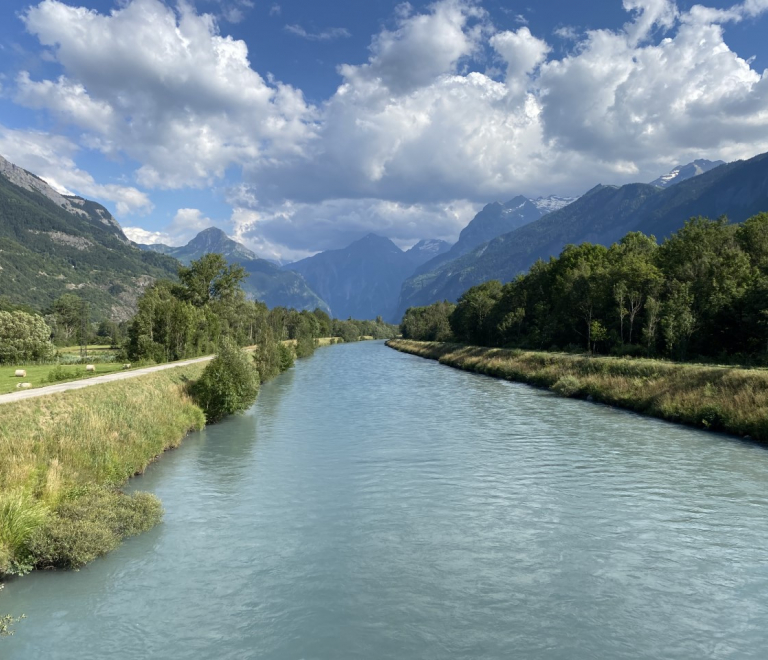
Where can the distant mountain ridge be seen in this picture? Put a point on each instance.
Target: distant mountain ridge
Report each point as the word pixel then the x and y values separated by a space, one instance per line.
pixel 363 279
pixel 685 172
pixel 603 215
pixel 266 281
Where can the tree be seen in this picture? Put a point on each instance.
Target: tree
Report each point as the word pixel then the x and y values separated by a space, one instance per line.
pixel 24 338
pixel 228 385
pixel 210 278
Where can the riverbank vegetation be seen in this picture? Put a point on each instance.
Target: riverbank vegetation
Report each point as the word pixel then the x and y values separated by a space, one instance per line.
pixel 716 398
pixel 64 457
pixel 700 295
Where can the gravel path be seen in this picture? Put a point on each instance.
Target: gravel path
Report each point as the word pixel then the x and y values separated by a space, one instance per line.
pixel 96 380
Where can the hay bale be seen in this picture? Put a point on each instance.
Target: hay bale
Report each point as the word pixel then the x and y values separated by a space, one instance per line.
pixel 90 367
pixel 20 373
pixel 126 366
pixel 23 386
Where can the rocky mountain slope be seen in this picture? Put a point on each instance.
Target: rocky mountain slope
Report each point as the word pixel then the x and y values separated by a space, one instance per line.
pixel 51 244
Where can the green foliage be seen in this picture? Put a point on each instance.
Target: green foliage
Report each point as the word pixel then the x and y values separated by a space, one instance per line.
pixel 20 516
pixel 58 374
pixel 305 346
pixel 228 385
pixel 567 385
pixel 91 524
pixel 286 357
pixel 431 323
pixel 24 338
pixel 703 293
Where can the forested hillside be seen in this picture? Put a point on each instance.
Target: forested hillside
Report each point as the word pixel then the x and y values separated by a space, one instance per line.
pixel 47 250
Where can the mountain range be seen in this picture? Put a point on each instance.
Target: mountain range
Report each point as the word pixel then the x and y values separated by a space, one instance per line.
pixel 265 282
pixel 603 215
pixel 363 279
pixel 51 244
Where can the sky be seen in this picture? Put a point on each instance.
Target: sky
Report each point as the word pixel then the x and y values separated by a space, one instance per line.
pixel 301 125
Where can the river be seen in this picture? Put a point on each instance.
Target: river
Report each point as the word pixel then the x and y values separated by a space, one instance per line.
pixel 376 505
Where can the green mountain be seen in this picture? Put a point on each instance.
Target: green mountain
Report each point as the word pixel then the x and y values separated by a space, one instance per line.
pixel 738 190
pixel 51 244
pixel 265 282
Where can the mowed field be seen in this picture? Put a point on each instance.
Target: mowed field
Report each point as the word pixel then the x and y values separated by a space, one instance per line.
pixel 37 374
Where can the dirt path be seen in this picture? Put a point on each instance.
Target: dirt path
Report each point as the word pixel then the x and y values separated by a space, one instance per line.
pixel 96 380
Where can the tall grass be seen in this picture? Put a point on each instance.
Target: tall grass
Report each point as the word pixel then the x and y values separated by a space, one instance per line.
pixel 57 449
pixel 719 398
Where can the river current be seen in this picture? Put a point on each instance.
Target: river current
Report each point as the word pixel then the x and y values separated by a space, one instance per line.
pixel 376 505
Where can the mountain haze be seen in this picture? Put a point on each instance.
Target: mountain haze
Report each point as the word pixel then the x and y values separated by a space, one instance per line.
pixel 265 282
pixel 362 280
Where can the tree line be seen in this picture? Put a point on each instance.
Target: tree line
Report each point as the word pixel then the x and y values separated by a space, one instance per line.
pixel 702 293
pixel 176 320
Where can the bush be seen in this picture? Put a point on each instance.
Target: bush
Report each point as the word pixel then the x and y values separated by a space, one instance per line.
pixel 286 357
pixel 567 386
pixel 91 525
pixel 305 346
pixel 24 338
pixel 228 385
pixel 59 373
pixel 20 517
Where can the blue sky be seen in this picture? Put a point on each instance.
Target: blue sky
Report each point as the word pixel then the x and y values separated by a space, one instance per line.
pixel 298 126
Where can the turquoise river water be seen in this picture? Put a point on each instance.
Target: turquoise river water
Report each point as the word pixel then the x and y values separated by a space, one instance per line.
pixel 376 505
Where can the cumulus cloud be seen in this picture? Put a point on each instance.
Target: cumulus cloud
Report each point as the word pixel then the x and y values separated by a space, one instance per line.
pixel 51 157
pixel 186 224
pixel 445 113
pixel 164 87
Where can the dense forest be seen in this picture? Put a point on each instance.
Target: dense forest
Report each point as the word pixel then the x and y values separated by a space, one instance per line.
pixel 702 293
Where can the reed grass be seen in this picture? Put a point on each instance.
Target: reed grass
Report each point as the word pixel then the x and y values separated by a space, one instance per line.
pixel 729 399
pixel 85 443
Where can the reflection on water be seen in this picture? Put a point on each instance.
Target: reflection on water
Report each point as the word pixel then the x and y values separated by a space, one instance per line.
pixel 376 505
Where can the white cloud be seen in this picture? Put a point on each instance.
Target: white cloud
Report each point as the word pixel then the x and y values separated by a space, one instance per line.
pixel 423 125
pixel 186 224
pixel 164 87
pixel 51 157
pixel 329 34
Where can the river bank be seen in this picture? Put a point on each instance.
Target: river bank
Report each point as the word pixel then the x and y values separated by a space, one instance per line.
pixel 64 456
pixel 717 398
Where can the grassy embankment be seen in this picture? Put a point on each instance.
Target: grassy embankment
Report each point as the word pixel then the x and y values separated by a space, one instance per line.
pixel 718 398
pixel 63 457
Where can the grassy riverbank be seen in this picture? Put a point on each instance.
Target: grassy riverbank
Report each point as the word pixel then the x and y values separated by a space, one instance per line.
pixel 63 457
pixel 717 398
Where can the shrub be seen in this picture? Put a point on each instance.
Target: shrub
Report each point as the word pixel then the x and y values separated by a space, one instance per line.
pixel 20 517
pixel 286 357
pixel 91 524
pixel 305 346
pixel 567 386
pixel 24 338
pixel 228 385
pixel 59 373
